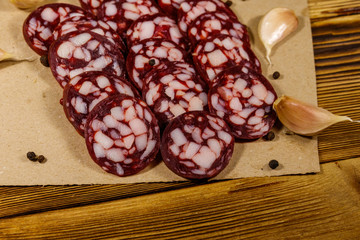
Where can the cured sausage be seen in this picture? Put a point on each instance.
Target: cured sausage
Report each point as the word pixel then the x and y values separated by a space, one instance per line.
pixel 91 6
pixel 149 53
pixel 86 90
pixel 214 23
pixel 122 135
pixel 155 26
pixel 83 51
pixel 39 25
pixel 213 55
pixel 197 145
pixel 96 26
pixel 172 89
pixel 170 7
pixel 119 14
pixel 190 10
pixel 243 98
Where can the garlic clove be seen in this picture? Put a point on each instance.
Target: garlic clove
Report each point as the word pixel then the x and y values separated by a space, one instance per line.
pixel 275 26
pixel 25 4
pixel 6 56
pixel 303 118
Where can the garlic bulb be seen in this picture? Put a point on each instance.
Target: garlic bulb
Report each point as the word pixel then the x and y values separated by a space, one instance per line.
pixel 303 118
pixel 6 56
pixel 25 4
pixel 275 26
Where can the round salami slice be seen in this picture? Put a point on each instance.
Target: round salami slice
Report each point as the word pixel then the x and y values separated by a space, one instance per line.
pixel 172 89
pixel 96 26
pixel 170 7
pixel 83 51
pixel 119 14
pixel 155 26
pixel 197 145
pixel 213 55
pixel 122 135
pixel 86 90
pixel 149 53
pixel 243 98
pixel 214 23
pixel 91 6
pixel 190 10
pixel 40 24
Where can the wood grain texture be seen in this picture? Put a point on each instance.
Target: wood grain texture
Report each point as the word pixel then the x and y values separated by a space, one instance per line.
pixel 321 206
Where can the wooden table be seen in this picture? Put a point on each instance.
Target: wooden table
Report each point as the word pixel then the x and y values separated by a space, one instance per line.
pixel 319 206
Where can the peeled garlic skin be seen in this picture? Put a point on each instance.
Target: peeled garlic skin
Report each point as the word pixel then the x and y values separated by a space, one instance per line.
pixel 303 118
pixel 275 26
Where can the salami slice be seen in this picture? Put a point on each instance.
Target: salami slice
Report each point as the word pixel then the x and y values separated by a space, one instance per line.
pixel 91 6
pixel 170 7
pixel 86 90
pixel 148 54
pixel 213 55
pixel 119 14
pixel 243 98
pixel 190 10
pixel 155 26
pixel 83 51
pixel 197 145
pixel 214 23
pixel 40 24
pixel 172 89
pixel 122 135
pixel 96 26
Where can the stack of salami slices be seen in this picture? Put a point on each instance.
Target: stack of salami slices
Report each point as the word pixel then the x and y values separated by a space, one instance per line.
pixel 132 67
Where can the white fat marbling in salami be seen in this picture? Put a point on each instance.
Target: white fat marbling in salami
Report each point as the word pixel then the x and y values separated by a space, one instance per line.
pixel 119 14
pixel 155 26
pixel 197 145
pixel 96 26
pixel 122 135
pixel 217 53
pixel 84 51
pixel 86 90
pixel 190 10
pixel 91 6
pixel 149 53
pixel 214 23
pixel 170 7
pixel 39 25
pixel 243 98
pixel 172 89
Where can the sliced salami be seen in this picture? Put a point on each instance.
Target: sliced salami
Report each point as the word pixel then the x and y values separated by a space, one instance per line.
pixel 119 14
pixel 40 24
pixel 83 51
pixel 197 145
pixel 243 98
pixel 122 135
pixel 86 90
pixel 214 23
pixel 96 26
pixel 149 53
pixel 155 26
pixel 91 6
pixel 190 10
pixel 213 55
pixel 172 89
pixel 170 7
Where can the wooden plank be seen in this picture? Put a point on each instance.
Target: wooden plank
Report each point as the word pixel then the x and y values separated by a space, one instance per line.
pixel 321 206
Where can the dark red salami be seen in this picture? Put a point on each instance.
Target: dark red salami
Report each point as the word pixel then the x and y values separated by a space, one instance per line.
pixel 40 24
pixel 86 90
pixel 119 14
pixel 170 7
pixel 213 55
pixel 149 53
pixel 243 98
pixel 155 26
pixel 197 145
pixel 96 26
pixel 91 6
pixel 83 51
pixel 172 89
pixel 122 135
pixel 190 10
pixel 214 23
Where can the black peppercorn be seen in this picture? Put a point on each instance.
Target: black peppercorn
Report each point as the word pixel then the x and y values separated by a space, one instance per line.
pixel 31 156
pixel 273 164
pixel 44 60
pixel 269 137
pixel 228 3
pixel 152 62
pixel 276 75
pixel 41 159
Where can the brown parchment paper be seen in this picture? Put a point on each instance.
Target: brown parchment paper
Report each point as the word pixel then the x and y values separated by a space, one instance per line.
pixel 31 118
